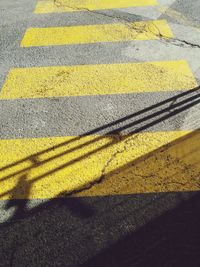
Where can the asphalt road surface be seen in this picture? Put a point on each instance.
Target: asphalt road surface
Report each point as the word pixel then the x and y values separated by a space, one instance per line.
pixel 99 133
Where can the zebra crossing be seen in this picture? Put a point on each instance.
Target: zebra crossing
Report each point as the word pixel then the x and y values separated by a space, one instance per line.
pixel 92 164
pixel 71 6
pixel 59 81
pixel 96 33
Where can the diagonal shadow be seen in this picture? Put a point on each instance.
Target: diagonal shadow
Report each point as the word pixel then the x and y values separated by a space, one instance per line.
pixel 182 105
pixel 120 253
pixel 168 237
pixel 170 240
pixel 185 161
pixel 175 105
pixel 165 113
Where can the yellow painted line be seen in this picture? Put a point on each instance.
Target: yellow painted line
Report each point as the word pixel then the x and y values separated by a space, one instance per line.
pixel 140 163
pixel 97 79
pixel 50 6
pixel 142 30
pixel 178 16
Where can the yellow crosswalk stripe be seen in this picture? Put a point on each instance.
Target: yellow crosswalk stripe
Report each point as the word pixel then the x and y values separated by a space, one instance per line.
pixel 139 163
pixel 49 6
pixel 146 162
pixel 142 30
pixel 58 81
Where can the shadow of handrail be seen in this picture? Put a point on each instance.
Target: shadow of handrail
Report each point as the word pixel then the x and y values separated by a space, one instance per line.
pixel 175 105
pixel 131 116
pixel 186 99
pixel 178 158
pixel 143 162
pixel 176 108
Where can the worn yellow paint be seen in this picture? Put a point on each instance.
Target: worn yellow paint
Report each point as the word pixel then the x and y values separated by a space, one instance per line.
pixel 50 6
pixel 142 30
pixel 97 79
pixel 139 163
pixel 178 16
pixel 170 168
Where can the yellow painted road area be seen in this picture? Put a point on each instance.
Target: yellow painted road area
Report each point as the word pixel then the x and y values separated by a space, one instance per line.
pixel 50 6
pixel 139 163
pixel 143 30
pixel 99 79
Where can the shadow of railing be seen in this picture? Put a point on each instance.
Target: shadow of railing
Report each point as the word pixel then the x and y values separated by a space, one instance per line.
pixel 113 135
pixel 167 112
pixel 150 116
pixel 64 220
pixel 175 166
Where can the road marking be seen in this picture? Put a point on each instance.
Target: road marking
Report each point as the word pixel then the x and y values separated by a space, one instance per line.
pixel 97 79
pixel 142 30
pixel 178 16
pixel 139 163
pixel 50 6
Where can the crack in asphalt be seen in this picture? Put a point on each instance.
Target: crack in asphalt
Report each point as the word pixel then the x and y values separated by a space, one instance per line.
pixel 127 22
pixel 179 42
pixel 131 26
pixel 166 182
pixel 177 16
pixel 175 41
pixel 59 4
pixel 118 138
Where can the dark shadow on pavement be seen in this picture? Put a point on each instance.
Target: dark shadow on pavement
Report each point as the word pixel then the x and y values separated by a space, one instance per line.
pixel 68 231
pixel 171 240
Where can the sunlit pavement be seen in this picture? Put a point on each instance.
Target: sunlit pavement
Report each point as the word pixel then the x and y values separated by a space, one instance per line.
pixel 99 133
